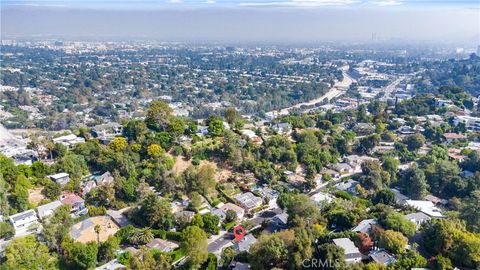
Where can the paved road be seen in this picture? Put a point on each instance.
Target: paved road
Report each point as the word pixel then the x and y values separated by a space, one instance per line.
pixel 337 90
pixel 389 89
pixel 221 242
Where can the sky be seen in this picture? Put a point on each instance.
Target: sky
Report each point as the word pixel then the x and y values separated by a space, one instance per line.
pixel 447 21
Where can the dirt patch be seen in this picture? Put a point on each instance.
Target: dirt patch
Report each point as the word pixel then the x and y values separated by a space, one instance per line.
pixel 181 165
pixel 221 175
pixel 35 195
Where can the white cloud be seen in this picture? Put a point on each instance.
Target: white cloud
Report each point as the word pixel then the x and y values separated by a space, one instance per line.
pixel 301 3
pixel 387 2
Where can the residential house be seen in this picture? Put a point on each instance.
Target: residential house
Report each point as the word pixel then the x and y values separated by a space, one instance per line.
pixel 248 201
pixel 69 140
pixel 111 265
pixel 282 128
pixel 443 102
pixel 118 217
pixel 426 207
pixel 252 136
pixel 435 200
pixel 399 197
pixel 60 178
pixel 382 257
pixel 453 137
pixel 76 203
pixel 406 130
pixel 349 186
pixel 344 168
pixel 270 195
pixel 47 209
pixel 455 154
pixel 278 222
pixel 334 174
pixel 162 245
pixel 352 254
pixel 107 132
pixel 185 215
pixel 222 209
pixel 320 197
pixel 245 243
pixel 104 179
pixel 471 123
pixel 87 186
pixel 418 218
pixel 25 223
pixel 365 226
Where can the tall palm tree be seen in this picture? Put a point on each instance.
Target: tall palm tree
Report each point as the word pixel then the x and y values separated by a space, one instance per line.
pixel 141 236
pixel 97 229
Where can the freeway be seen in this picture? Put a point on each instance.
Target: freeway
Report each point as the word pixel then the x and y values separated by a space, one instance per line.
pixel 389 89
pixel 338 89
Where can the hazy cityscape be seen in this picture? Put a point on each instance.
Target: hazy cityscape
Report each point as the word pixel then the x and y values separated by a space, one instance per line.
pixel 295 134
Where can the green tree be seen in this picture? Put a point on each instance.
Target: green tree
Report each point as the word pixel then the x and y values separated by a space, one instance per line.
pixel 230 215
pixel 471 211
pixel 6 230
pixel 56 227
pixel 154 150
pixel 176 126
pixel 28 253
pixel 412 182
pixel 194 243
pixel 267 252
pixel 332 256
pixel 107 250
pixel 442 263
pixel 215 125
pixel 231 115
pixel 384 196
pixel 158 115
pixel 141 236
pixel 393 241
pixel 155 213
pixel 398 222
pixel 210 223
pixel 135 130
pixel 409 260
pixel 227 256
pixel 414 142
pixel 79 255
pixel 118 144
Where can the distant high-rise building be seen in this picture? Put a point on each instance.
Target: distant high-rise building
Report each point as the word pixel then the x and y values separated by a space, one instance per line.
pixel 478 50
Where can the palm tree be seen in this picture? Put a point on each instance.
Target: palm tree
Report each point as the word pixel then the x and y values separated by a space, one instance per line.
pixel 97 229
pixel 141 236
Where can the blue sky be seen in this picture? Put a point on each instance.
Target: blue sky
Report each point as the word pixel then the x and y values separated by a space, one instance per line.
pixel 186 4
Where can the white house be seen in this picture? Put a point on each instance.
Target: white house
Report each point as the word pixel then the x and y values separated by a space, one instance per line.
pixel 69 140
pixel 48 209
pixel 426 207
pixel 25 223
pixel 248 200
pixel 352 254
pixel 60 178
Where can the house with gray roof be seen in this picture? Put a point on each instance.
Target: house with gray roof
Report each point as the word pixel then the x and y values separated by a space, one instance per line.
pixel 365 226
pixel 382 257
pixel 418 218
pixel 244 244
pixel 48 209
pixel 249 201
pixel 352 254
